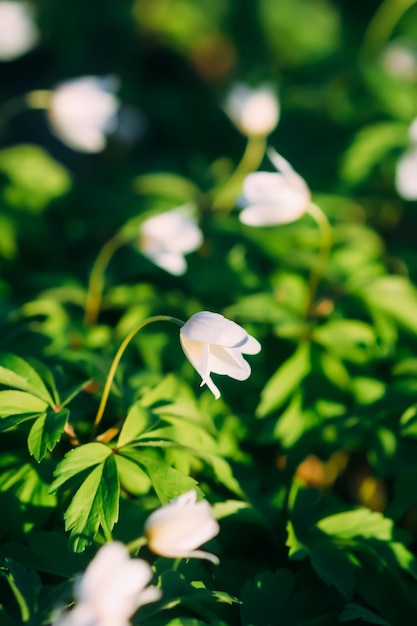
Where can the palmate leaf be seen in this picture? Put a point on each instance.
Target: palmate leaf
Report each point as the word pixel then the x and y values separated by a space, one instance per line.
pixel 96 503
pixel 46 432
pixel 78 460
pixel 167 481
pixel 17 373
pixel 17 402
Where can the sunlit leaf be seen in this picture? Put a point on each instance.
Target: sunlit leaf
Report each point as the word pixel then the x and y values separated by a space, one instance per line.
pixel 18 373
pixel 15 402
pixel 285 381
pixel 94 505
pixel 46 432
pixel 35 178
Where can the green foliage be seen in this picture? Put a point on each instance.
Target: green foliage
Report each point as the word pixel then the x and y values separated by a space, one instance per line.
pixel 309 462
pixel 34 177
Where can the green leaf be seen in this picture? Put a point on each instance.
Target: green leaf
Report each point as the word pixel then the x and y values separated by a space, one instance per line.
pixel 168 482
pixel 353 612
pixel 297 550
pixel 46 432
pixel 18 373
pixel 351 340
pixel 358 523
pixel 166 183
pixel 334 566
pixel 369 148
pixel 271 591
pixel 135 424
pixel 285 380
pixel 24 585
pixel 79 460
pixel 95 504
pixel 16 402
pixel 24 499
pixel 394 296
pixel 35 178
pixel 132 477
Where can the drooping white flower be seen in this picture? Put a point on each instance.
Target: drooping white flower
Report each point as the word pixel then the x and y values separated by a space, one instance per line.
pixel 273 198
pixel 399 58
pixel 177 529
pixel 406 170
pixel 165 239
pixel 253 111
pixel 214 344
pixel 83 111
pixel 111 589
pixel 18 31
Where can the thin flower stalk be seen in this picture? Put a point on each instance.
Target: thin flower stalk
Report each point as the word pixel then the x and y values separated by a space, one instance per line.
pixel 96 282
pixel 116 361
pixel 325 246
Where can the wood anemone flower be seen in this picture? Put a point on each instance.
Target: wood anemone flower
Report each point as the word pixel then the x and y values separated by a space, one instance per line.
pixel 177 529
pixel 111 589
pixel 272 198
pixel 214 344
pixel 83 111
pixel 167 237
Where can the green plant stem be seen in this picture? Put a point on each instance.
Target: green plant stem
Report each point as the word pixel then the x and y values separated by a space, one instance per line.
pixel 325 245
pixel 118 356
pixel 382 25
pixel 75 393
pixel 38 99
pixel 250 161
pixel 135 546
pixel 96 282
pixel 23 605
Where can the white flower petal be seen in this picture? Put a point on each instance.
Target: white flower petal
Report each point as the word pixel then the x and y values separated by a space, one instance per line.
pixel 229 362
pixel 111 589
pixel 272 198
pixel 215 344
pixel 213 328
pixel 197 353
pixel 167 237
pixel 406 175
pixel 254 111
pixel 83 111
pixel 178 528
pixel 18 32
pixel 263 187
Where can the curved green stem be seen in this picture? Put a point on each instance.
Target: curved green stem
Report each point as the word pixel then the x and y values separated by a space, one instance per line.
pixel 38 99
pixel 325 245
pixel 75 393
pixel 135 545
pixel 250 161
pixel 382 25
pixel 118 356
pixel 96 282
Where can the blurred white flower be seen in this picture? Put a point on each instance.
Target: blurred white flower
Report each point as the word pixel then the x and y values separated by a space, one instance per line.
pixel 406 171
pixel 399 58
pixel 273 198
pixel 165 239
pixel 18 31
pixel 253 111
pixel 178 528
pixel 83 111
pixel 215 344
pixel 111 589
